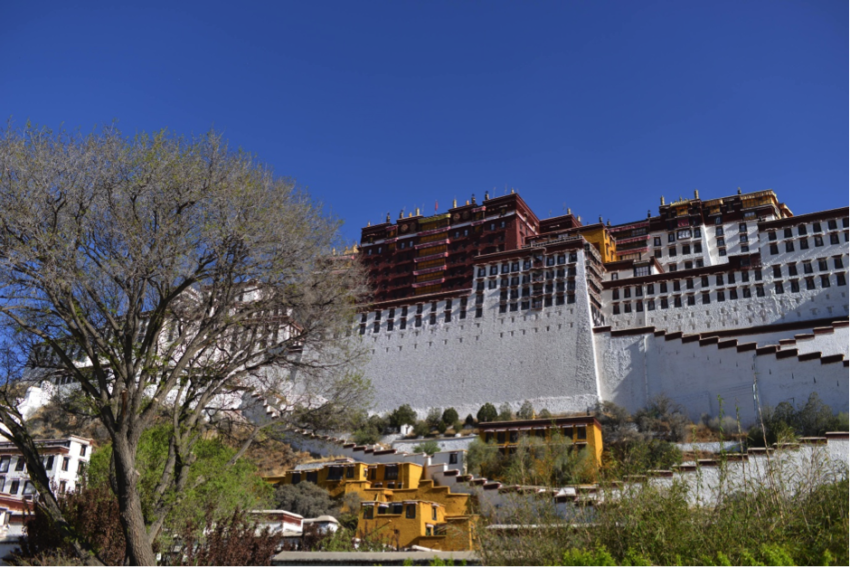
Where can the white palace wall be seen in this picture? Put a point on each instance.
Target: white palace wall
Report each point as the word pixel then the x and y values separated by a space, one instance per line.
pixel 544 356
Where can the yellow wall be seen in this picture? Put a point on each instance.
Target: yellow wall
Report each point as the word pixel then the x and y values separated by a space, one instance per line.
pixel 400 530
pixel 602 241
pixel 593 434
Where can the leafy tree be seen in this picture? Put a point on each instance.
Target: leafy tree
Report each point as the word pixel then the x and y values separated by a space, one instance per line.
pixel 162 276
pixel 664 419
pixel 429 447
pixel 304 498
pixel 450 416
pixel 402 415
pixel 369 430
pixel 421 429
pixel 470 421
pixel 544 414
pixel 526 411
pixel 434 418
pixel 213 484
pixel 487 413
pixel 505 413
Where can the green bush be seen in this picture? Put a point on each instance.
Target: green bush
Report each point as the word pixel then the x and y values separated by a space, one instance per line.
pixel 430 447
pixel 403 415
pixel 421 429
pixel 304 498
pixel 505 413
pixel 487 413
pixel 526 411
pixel 450 416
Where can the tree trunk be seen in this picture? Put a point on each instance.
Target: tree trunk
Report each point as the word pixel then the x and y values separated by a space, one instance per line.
pixel 139 548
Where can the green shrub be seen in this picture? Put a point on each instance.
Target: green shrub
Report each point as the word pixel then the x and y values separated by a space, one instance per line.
pixel 450 416
pixel 430 447
pixel 487 413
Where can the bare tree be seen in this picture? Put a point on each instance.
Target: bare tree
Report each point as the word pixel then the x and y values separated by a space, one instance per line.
pixel 169 278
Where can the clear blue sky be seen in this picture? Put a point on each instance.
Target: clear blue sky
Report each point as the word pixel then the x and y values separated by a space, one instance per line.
pixel 378 106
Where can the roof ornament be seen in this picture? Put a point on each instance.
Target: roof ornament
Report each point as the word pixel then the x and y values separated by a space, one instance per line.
pixel 569 211
pixel 600 219
pixel 512 191
pixel 368 223
pixel 401 214
pixel 739 190
pixel 388 216
pixel 609 222
pixel 696 193
pixel 417 211
pixel 662 200
pixel 473 198
pixel 486 195
pixel 454 203
pixel 648 214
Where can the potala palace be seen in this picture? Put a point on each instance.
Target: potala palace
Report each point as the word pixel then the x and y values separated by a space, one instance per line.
pixel 733 299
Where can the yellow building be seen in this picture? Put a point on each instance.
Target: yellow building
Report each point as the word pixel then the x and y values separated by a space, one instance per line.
pixel 405 523
pixel 388 486
pixel 585 432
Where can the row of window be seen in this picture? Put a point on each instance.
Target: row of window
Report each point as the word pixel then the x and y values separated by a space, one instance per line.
pixel 803 243
pixel 686 249
pixel 689 284
pixel 730 293
pixel 537 303
pixel 49 461
pixel 802 230
pixel 525 279
pixel 681 234
pixel 511 267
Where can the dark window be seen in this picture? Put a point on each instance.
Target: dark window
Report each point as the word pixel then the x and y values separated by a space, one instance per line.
pixel 810 283
pixel 662 287
pixel 616 309
pixel 816 227
pixel 677 301
pixel 706 298
pixel 671 237
pixel 721 251
pixel 664 304
pixel 733 293
pixel 650 289
pixel 692 300
pixel 686 249
pixel 721 296
pixel 718 231
pixel 746 292
pixel 789 246
pixel 777 271
pixel 771 236
pixel 780 289
pixel 818 240
pixel 839 263
pixel 804 244
pixel 824 280
pixel 758 275
pixel 832 224
pixel 627 307
pixel 615 293
pixel 639 306
pixel 671 251
pixel 760 291
pixel 792 269
pixel 788 233
pixel 658 253
pixel 703 281
pixel 774 249
pixel 840 278
pixel 745 276
pixel 833 238
pixel 795 286
pixel 627 292
pixel 822 265
pixel 19 466
pixel 690 283
pixel 677 286
pixel 697 248
pixel 657 241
